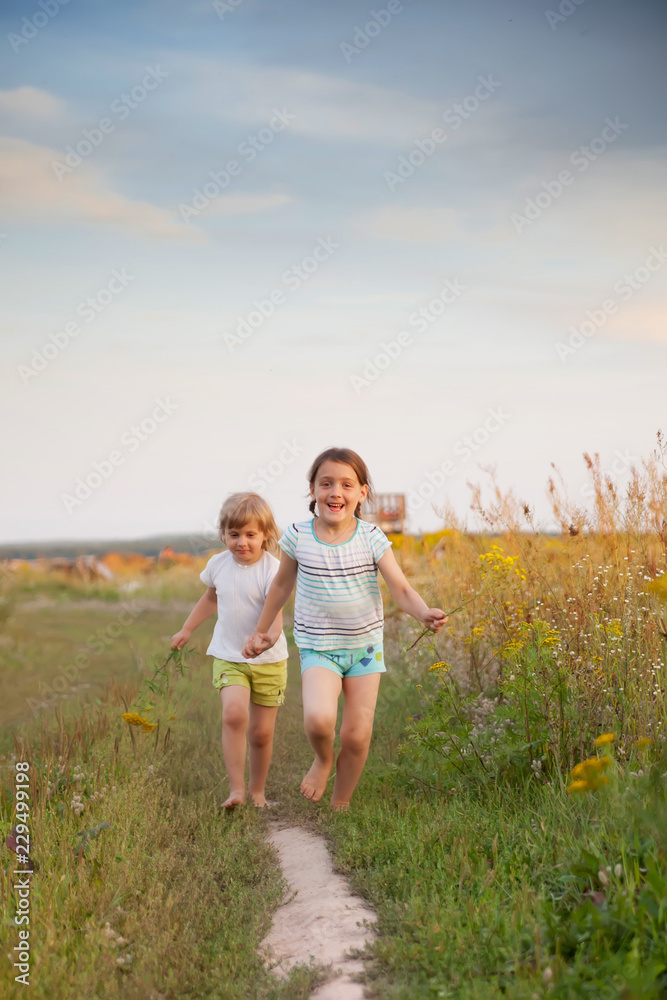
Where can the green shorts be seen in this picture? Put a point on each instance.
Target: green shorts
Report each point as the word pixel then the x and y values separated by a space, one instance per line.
pixel 266 681
pixel 346 662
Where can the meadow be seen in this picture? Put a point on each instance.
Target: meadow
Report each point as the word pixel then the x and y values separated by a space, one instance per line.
pixel 510 827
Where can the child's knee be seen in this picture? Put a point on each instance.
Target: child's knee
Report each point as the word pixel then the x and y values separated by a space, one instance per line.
pixel 356 739
pixel 319 724
pixel 235 716
pixel 260 737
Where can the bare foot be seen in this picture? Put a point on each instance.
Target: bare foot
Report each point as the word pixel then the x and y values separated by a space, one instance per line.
pixel 260 800
pixel 315 782
pixel 234 799
pixel 340 806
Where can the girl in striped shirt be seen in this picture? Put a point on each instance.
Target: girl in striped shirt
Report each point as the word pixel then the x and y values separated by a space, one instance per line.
pixel 334 560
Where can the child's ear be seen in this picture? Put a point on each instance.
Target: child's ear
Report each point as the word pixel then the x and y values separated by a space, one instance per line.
pixel 364 493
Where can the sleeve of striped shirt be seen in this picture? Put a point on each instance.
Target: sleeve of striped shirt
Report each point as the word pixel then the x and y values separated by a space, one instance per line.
pixel 288 541
pixel 379 543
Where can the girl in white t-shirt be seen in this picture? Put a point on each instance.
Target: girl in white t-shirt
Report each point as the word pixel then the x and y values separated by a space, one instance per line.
pixel 238 581
pixel 334 561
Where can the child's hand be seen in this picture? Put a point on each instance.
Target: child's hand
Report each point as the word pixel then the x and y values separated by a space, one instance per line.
pixel 435 619
pixel 180 639
pixel 257 644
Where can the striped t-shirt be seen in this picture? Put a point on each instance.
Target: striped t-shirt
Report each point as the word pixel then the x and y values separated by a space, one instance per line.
pixel 338 604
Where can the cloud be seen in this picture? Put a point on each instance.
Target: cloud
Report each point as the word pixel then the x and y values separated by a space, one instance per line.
pixel 31 102
pixel 389 300
pixel 246 204
pixel 421 224
pixel 31 192
pixel 328 107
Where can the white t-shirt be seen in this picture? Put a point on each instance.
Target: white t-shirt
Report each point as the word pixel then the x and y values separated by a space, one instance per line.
pixel 241 592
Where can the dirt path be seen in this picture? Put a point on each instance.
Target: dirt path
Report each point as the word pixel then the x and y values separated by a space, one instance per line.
pixel 321 919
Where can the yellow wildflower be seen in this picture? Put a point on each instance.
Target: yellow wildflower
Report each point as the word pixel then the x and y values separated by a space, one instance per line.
pixel 134 719
pixel 605 739
pixel 590 772
pixel 614 627
pixel 578 786
pixel 586 766
pixel 643 743
pixel 441 665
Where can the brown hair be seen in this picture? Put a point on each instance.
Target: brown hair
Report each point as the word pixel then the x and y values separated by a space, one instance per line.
pixel 240 508
pixel 347 457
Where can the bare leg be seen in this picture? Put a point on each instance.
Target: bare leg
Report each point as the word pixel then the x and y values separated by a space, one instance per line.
pixel 260 739
pixel 360 695
pixel 235 715
pixel 321 690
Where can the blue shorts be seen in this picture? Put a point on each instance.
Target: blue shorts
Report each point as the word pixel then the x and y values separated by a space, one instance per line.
pixel 346 662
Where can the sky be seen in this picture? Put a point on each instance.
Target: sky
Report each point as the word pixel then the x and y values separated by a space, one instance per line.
pixel 233 234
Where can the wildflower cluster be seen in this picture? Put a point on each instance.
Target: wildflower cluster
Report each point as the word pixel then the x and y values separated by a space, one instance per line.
pixel 465 730
pixel 494 562
pixel 589 775
pixel 157 685
pixel 134 719
pixel 114 940
pixel 441 666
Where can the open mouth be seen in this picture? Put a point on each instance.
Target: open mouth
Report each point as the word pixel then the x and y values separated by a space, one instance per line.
pixel 335 506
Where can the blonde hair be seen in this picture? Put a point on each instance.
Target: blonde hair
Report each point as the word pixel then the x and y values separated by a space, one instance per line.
pixel 347 457
pixel 241 508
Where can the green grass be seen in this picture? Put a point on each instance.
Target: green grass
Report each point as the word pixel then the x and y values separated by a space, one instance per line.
pixel 480 888
pixel 190 890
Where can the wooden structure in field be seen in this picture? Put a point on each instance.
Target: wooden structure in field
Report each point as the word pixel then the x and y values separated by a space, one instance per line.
pixel 387 511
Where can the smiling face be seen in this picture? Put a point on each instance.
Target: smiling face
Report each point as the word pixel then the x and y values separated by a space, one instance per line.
pixel 245 543
pixel 337 491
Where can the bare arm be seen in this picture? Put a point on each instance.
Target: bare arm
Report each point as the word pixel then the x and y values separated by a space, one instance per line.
pixel 206 606
pixel 270 621
pixel 406 597
pixel 276 628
